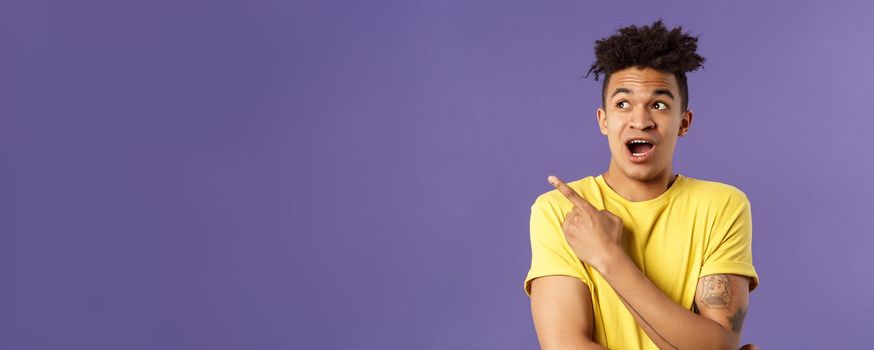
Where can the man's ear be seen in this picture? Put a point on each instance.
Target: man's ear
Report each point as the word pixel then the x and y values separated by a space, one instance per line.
pixel 685 123
pixel 602 121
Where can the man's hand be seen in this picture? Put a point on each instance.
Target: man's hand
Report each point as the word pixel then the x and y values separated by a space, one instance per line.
pixel 592 234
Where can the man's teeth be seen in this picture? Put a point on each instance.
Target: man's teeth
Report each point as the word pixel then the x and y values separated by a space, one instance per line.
pixel 641 154
pixel 640 141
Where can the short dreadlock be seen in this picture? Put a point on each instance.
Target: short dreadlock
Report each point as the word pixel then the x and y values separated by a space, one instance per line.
pixel 648 46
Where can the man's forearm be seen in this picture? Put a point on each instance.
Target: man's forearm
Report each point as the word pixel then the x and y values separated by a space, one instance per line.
pixel 668 324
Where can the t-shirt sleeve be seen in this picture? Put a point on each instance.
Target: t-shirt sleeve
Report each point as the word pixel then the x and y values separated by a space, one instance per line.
pixel 730 249
pixel 550 253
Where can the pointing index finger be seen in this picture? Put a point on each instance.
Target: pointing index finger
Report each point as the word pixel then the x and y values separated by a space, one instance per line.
pixel 569 193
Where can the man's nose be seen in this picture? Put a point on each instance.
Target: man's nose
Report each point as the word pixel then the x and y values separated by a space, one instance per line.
pixel 642 119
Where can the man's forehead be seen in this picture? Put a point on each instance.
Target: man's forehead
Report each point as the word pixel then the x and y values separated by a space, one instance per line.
pixel 638 81
pixel 642 89
pixel 641 82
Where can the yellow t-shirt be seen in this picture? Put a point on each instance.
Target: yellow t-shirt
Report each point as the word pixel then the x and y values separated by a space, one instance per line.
pixel 695 228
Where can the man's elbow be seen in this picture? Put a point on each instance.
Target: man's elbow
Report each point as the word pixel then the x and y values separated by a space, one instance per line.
pixel 728 340
pixel 720 337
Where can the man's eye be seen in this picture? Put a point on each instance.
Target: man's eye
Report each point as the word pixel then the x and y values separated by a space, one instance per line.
pixel 662 103
pixel 620 103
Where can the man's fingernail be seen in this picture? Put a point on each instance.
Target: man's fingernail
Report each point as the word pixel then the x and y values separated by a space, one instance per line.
pixel 551 179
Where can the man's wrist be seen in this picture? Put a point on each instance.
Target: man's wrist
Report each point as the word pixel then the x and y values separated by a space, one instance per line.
pixel 611 258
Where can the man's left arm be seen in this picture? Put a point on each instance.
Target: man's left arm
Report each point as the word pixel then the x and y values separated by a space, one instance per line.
pixel 721 298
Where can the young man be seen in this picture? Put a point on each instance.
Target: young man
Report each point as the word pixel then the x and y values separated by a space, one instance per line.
pixel 640 257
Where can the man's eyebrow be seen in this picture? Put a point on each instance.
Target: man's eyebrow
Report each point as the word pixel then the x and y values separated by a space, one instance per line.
pixel 619 91
pixel 656 92
pixel 663 92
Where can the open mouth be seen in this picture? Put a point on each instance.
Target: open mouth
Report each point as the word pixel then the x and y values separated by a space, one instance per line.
pixel 639 149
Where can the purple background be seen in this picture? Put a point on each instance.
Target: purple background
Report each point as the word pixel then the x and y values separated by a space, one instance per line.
pixel 287 175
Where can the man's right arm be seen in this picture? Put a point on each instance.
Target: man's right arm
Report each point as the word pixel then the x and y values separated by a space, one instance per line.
pixel 561 307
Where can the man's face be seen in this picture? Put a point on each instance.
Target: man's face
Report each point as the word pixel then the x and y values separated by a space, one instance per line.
pixel 643 104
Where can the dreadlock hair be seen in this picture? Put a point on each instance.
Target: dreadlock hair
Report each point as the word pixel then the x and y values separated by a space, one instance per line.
pixel 648 46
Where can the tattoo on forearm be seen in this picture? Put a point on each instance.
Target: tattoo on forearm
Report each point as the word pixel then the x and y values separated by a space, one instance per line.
pixel 737 321
pixel 645 321
pixel 717 292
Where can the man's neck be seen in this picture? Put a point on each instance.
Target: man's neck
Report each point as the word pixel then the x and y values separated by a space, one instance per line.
pixel 637 191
